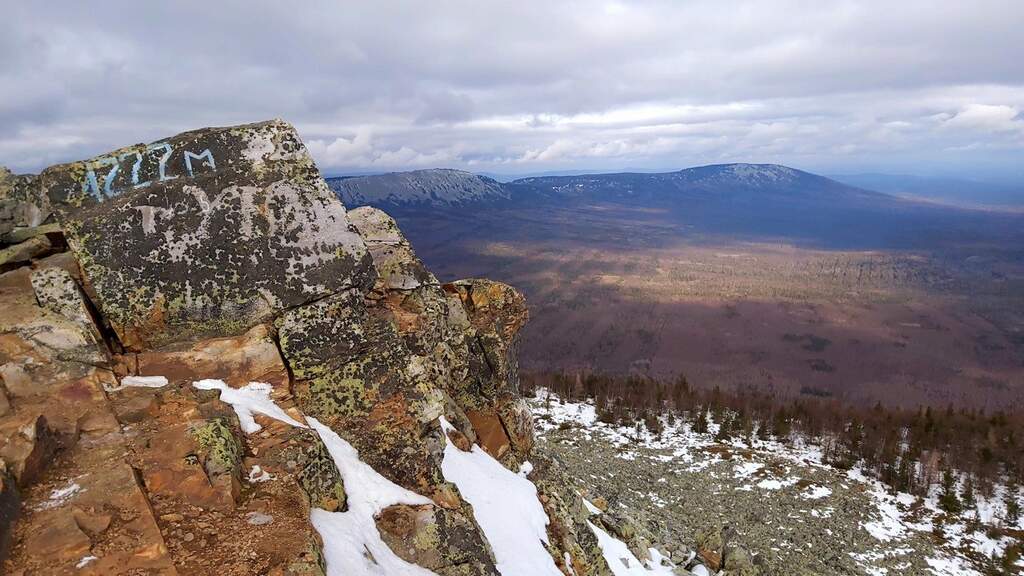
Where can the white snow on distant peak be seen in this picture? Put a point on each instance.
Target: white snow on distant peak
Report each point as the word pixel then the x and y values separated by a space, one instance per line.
pixel 622 562
pixel 352 543
pixel 252 398
pixel 505 506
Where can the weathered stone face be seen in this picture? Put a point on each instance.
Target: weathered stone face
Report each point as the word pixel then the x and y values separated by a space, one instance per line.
pixel 207 233
pixel 22 204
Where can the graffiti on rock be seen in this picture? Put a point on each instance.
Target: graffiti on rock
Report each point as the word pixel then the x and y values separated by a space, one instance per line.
pixel 115 180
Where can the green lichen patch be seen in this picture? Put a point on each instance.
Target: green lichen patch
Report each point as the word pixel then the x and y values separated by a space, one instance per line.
pixel 220 450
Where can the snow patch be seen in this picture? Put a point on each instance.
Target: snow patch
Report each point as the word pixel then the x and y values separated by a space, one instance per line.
pixel 138 382
pixel 144 381
pixel 352 543
pixel 817 492
pixel 258 474
pixel 59 496
pixel 590 507
pixel 622 562
pixel 252 398
pixel 505 506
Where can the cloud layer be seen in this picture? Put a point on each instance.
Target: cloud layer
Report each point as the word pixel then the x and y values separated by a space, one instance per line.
pixel 911 86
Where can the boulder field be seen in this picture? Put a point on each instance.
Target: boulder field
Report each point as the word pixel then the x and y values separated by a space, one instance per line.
pixel 142 290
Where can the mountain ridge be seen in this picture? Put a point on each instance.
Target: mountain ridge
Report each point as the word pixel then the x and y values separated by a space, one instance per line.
pixel 449 187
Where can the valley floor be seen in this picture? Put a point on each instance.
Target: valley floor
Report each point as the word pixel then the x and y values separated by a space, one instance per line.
pixel 796 514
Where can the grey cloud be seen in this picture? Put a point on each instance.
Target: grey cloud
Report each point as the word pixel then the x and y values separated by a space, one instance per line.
pixel 529 86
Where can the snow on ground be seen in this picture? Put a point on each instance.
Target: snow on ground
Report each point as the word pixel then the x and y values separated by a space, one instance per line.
pixel 620 559
pixel 892 518
pixel 144 381
pixel 745 469
pixel 623 562
pixel 258 474
pixel 247 400
pixel 59 496
pixel 817 492
pixel 138 382
pixel 352 543
pixel 505 506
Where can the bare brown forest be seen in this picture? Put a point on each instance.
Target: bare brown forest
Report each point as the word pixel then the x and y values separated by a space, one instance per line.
pixel 935 321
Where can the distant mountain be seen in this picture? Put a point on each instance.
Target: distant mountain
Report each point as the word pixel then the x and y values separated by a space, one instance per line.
pixel 728 183
pixel 956 191
pixel 436 187
pixel 723 182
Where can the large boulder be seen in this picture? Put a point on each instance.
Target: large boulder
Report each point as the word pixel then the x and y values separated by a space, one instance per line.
pixel 22 205
pixel 206 233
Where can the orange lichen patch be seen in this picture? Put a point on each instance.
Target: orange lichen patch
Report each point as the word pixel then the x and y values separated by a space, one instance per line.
pixel 489 432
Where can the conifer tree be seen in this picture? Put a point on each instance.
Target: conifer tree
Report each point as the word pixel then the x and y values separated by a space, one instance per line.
pixel 948 500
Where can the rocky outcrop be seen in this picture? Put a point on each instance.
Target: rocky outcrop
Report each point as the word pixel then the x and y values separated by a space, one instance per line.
pixel 205 234
pixel 202 264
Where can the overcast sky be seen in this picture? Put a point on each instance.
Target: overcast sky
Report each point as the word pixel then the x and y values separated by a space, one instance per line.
pixel 922 87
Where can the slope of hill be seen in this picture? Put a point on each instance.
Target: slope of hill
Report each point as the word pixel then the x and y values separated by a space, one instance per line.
pixel 732 182
pixel 435 187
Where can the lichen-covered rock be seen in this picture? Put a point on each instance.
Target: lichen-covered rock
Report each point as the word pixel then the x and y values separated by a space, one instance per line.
pixel 58 292
pixel 446 542
pixel 571 543
pixel 397 266
pixel 207 233
pixel 20 254
pixel 318 475
pixel 738 562
pixel 709 544
pixel 488 391
pixel 28 445
pixel 355 373
pixel 49 363
pixel 220 253
pixel 219 449
pixel 22 204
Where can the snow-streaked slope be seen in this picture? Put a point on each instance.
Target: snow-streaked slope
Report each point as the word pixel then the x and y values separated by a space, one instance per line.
pixel 622 562
pixel 620 559
pixel 505 506
pixel 351 538
pixel 352 543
